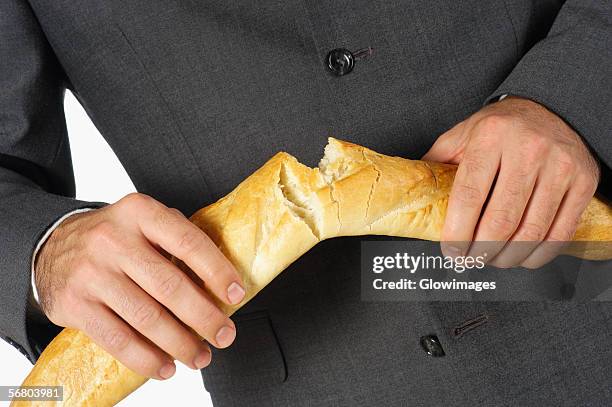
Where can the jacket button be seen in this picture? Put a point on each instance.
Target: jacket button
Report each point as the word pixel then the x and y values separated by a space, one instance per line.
pixel 340 61
pixel 431 345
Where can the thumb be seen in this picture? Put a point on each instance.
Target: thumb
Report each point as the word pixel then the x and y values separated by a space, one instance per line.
pixel 449 147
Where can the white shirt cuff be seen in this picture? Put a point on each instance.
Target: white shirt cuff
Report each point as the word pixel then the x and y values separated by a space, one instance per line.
pixel 42 241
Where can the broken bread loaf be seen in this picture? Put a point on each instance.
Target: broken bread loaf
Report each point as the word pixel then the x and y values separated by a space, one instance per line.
pixel 275 216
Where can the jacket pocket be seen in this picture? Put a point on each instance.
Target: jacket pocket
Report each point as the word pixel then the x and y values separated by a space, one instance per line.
pixel 252 363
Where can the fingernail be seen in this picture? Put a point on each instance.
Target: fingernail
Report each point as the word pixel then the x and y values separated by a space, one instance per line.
pixel 235 293
pixel 202 360
pixel 225 336
pixel 167 371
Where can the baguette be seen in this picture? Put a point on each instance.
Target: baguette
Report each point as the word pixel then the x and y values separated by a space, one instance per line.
pixel 275 216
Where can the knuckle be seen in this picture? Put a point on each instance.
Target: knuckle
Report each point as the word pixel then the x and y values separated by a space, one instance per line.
pixel 515 187
pixel 473 164
pixel 562 155
pixel 59 308
pixel 164 218
pixel 103 229
pixel 77 285
pixel 148 365
pixel 572 222
pixel 564 163
pixel 563 234
pixel 186 350
pixel 136 200
pixel 563 169
pixel 531 232
pixel 209 317
pixel 63 296
pixel 210 272
pixel 102 234
pixel 586 187
pixel 169 286
pixel 563 152
pixel 534 145
pixel 593 168
pixel 530 159
pixel 493 123
pixel 80 272
pixel 116 339
pixel 468 195
pixel 85 283
pixel 585 193
pixel 485 141
pixel 151 267
pixel 502 223
pixel 177 212
pixel 82 264
pixel 147 315
pixel 93 326
pixel 190 242
pixel 85 270
pixel 594 177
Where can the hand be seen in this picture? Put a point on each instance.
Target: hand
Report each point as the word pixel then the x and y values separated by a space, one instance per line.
pixel 103 272
pixel 524 176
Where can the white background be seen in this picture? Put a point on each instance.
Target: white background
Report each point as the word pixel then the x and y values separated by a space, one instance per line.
pixel 100 177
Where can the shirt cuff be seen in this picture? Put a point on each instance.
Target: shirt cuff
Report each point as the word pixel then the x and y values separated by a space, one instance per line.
pixel 498 99
pixel 41 242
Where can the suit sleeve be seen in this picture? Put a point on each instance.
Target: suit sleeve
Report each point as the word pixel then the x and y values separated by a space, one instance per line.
pixel 36 178
pixel 570 72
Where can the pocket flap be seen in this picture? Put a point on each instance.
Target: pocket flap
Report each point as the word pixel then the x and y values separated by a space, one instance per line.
pixel 252 363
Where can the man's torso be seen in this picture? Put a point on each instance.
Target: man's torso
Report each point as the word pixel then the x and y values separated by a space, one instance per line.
pixel 194 96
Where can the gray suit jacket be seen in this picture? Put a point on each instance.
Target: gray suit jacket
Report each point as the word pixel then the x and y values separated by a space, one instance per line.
pixel 195 95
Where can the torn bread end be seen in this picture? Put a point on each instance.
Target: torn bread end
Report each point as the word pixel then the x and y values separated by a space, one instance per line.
pixel 334 163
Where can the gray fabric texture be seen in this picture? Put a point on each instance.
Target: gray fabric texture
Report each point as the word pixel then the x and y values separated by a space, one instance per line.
pixel 193 96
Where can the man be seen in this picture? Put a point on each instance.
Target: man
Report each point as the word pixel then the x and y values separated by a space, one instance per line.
pixel 194 96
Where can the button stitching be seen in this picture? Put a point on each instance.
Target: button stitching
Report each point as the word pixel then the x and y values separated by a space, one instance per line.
pixel 469 325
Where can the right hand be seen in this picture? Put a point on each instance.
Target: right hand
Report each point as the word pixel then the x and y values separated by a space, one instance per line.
pixel 104 272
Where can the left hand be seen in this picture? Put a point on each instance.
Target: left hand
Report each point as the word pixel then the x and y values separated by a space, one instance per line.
pixel 524 175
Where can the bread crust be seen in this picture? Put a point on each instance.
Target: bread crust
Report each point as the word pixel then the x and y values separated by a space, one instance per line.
pixel 275 216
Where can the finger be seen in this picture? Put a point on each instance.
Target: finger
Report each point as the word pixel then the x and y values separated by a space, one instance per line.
pixel 153 321
pixel 548 193
pixel 504 211
pixel 448 148
pixel 565 223
pixel 471 186
pixel 178 236
pixel 171 287
pixel 120 340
